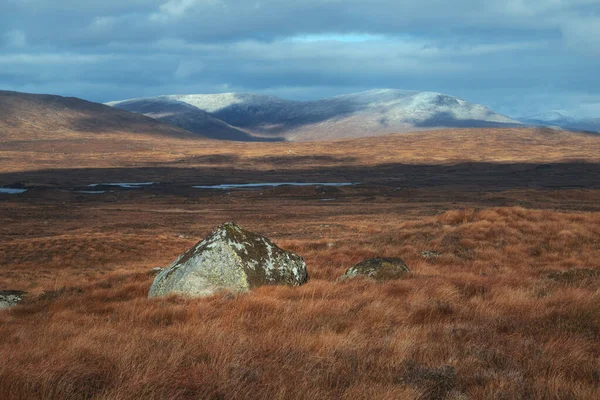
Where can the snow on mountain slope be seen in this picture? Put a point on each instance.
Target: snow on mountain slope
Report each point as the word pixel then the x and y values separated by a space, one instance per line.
pixel 564 120
pixel 370 113
pixel 214 102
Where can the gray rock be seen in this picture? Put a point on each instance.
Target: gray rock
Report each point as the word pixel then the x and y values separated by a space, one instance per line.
pixel 381 269
pixel 233 259
pixel 10 298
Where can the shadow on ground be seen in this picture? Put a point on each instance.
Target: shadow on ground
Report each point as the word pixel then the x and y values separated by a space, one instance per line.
pixel 464 176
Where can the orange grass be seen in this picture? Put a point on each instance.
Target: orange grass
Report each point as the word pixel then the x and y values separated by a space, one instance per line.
pixel 117 148
pixel 503 302
pixel 501 313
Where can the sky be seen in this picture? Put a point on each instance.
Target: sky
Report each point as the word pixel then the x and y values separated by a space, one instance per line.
pixel 519 57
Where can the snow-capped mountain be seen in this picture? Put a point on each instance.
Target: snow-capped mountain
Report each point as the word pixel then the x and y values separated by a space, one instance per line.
pixel 370 113
pixel 564 120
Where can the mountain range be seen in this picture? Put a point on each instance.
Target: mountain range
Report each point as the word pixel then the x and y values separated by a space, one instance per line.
pixel 563 120
pixel 252 117
pixel 371 113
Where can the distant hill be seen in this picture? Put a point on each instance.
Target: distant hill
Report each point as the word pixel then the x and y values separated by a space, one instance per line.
pixel 25 117
pixel 185 116
pixel 565 121
pixel 372 113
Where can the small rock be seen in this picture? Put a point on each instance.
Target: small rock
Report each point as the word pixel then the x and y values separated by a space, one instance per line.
pixel 429 254
pixel 381 269
pixel 233 259
pixel 10 298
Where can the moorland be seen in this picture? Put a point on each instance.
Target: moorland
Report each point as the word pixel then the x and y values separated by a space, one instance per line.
pixel 501 228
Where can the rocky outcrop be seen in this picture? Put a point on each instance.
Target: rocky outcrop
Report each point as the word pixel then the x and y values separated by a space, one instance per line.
pixel 10 298
pixel 381 269
pixel 233 259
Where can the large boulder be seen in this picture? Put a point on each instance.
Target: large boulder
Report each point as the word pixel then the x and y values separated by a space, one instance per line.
pixel 10 298
pixel 233 259
pixel 380 269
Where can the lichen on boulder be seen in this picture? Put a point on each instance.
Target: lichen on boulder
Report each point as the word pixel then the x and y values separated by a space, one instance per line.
pixel 380 269
pixel 229 258
pixel 10 298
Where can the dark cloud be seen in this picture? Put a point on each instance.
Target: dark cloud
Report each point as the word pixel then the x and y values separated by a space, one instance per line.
pixel 518 56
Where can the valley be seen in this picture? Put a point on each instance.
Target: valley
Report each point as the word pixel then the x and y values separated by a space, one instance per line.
pixel 313 200
pixel 499 227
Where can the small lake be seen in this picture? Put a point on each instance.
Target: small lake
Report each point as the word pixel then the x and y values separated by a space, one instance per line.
pixel 273 184
pixel 12 191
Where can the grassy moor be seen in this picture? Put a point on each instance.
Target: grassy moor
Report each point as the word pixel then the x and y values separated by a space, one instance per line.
pixel 500 227
pixel 299 200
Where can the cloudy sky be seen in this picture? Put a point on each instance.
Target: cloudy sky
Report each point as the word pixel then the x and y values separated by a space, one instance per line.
pixel 519 57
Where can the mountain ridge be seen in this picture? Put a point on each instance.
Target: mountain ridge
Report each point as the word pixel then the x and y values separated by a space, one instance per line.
pixel 183 115
pixel 370 113
pixel 564 120
pixel 25 116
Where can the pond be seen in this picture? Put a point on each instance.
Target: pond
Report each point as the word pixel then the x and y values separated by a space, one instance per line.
pixel 272 184
pixel 12 191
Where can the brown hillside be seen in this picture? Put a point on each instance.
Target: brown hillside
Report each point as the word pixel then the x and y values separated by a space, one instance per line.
pixel 27 117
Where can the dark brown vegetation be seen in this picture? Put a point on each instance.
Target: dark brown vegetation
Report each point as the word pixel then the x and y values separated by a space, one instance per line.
pixel 501 229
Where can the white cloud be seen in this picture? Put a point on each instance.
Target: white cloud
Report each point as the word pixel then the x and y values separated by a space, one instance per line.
pixel 333 37
pixel 43 59
pixel 103 23
pixel 175 9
